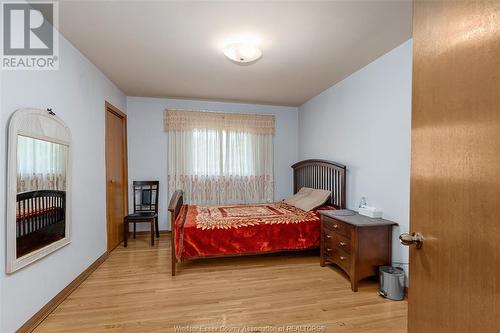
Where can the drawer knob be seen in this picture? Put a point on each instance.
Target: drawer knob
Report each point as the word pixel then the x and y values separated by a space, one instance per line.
pixel 342 244
pixel 342 258
pixel 328 250
pixel 328 236
pixel 335 226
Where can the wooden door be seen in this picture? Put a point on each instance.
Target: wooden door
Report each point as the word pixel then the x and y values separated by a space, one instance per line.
pixel 454 281
pixel 116 174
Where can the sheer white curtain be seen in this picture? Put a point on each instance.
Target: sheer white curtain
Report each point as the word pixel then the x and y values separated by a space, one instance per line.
pixel 221 162
pixel 41 165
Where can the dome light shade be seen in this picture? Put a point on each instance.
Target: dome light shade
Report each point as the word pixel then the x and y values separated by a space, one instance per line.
pixel 242 52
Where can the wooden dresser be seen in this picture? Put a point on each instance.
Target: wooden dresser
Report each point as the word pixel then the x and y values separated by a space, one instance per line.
pixel 357 244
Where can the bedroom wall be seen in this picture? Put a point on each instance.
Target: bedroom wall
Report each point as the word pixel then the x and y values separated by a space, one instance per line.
pixel 145 129
pixel 3 203
pixel 364 122
pixel 76 92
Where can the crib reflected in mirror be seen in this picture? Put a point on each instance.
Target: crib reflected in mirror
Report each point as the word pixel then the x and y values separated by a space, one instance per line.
pixel 41 194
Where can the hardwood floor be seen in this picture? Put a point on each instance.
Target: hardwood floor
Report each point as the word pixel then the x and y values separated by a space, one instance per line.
pixel 133 292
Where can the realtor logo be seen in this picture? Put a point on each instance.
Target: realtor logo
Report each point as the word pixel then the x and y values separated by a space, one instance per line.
pixel 29 36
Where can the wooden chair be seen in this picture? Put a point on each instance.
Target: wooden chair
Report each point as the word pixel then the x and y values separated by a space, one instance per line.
pixel 145 209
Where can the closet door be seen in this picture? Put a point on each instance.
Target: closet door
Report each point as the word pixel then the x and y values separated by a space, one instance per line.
pixel 116 174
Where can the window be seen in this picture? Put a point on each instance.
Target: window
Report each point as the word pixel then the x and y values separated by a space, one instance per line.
pixel 41 165
pixel 220 158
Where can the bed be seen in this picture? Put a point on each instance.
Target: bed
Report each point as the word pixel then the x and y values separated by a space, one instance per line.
pixel 236 230
pixel 40 219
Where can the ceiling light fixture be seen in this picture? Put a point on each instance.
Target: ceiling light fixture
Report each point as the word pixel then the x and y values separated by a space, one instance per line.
pixel 242 52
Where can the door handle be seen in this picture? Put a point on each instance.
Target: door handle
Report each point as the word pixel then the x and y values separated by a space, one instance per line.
pixel 415 238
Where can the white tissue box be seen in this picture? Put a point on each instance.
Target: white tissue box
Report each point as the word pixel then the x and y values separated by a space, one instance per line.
pixel 370 212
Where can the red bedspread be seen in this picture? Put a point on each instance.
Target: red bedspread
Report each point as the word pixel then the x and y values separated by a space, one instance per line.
pixel 244 229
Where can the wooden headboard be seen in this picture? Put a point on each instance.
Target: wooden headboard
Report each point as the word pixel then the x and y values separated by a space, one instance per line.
pixel 324 175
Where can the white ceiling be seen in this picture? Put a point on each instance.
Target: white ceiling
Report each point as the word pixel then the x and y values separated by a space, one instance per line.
pixel 174 49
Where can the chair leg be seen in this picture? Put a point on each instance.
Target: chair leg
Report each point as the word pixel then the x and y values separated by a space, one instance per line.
pixel 135 227
pixel 157 228
pixel 125 232
pixel 152 232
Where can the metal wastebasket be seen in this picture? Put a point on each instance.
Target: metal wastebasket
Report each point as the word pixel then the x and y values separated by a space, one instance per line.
pixel 392 282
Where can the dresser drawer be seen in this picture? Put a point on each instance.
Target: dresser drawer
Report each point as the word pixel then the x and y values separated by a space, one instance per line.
pixel 338 257
pixel 336 240
pixel 341 228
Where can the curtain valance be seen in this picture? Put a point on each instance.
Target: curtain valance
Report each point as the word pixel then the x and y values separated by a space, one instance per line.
pixel 182 120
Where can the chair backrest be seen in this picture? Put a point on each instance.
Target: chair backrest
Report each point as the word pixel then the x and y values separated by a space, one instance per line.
pixel 146 196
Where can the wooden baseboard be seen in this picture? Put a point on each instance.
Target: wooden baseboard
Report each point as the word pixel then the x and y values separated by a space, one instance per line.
pixel 38 317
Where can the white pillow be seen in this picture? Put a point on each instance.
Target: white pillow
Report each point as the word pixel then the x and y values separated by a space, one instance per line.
pixel 308 198
pixel 301 194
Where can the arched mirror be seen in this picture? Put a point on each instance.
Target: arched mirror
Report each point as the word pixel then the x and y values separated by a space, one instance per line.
pixel 38 187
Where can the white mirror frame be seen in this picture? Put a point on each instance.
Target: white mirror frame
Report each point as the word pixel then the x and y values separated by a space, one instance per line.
pixel 42 125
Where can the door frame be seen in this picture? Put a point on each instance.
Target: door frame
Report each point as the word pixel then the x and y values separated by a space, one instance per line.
pixel 108 107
